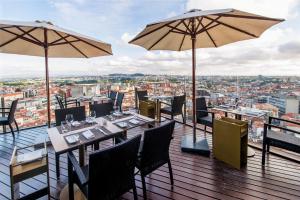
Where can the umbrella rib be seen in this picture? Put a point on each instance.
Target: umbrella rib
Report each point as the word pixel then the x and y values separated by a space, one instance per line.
pixel 99 48
pixel 34 38
pixel 62 43
pixel 70 44
pixel 59 39
pixel 181 42
pixel 199 20
pixel 183 38
pixel 178 30
pixel 163 36
pixel 187 26
pixel 207 25
pixel 251 17
pixel 20 36
pixel 134 39
pixel 206 31
pixel 234 28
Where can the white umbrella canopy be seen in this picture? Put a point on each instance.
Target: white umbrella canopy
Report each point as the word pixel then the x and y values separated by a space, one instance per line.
pixel 42 38
pixel 212 28
pixel 202 29
pixel 28 38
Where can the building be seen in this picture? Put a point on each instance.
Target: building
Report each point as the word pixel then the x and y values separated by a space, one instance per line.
pixel 287 104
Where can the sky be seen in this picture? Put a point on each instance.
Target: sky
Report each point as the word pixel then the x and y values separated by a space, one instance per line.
pixel 276 52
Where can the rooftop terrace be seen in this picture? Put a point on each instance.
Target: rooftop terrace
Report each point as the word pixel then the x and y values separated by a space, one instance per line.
pixel 195 177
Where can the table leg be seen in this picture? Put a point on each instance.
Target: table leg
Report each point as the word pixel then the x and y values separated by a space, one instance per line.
pixel 81 155
pixel 158 110
pixel 57 165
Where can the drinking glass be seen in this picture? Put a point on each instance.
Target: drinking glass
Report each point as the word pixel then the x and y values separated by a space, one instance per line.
pixel 93 116
pixel 116 108
pixel 69 119
pixel 63 127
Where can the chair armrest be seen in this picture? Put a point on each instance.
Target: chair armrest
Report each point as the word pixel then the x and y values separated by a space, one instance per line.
pixel 165 103
pixel 81 177
pixel 269 126
pixel 280 119
pixel 206 111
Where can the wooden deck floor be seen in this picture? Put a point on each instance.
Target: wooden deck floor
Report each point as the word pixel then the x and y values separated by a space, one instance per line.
pixel 195 177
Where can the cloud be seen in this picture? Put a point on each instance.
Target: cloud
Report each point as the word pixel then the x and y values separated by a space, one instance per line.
pixel 290 48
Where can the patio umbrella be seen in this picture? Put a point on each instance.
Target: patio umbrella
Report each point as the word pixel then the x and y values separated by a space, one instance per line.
pixel 42 38
pixel 201 29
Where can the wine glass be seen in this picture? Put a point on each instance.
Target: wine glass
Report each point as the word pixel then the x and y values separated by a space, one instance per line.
pixel 63 127
pixel 116 108
pixel 93 116
pixel 69 119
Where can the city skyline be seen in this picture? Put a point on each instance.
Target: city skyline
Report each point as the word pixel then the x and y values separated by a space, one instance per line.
pixel 275 53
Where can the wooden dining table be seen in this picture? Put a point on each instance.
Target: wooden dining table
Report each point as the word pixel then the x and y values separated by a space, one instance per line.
pixel 103 129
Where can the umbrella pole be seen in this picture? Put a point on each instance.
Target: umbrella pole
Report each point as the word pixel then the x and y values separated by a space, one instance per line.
pixel 189 143
pixel 194 86
pixel 47 77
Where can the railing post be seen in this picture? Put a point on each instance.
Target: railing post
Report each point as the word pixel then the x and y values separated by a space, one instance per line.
pixel 3 113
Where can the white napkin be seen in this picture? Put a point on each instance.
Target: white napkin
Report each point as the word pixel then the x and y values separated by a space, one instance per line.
pixel 88 134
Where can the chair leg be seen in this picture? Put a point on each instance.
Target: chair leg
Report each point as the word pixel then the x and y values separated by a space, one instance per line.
pixel 12 130
pixel 263 154
pixel 135 196
pixel 4 128
pixel 57 165
pixel 171 172
pixel 17 126
pixel 268 148
pixel 183 118
pixel 205 131
pixel 144 187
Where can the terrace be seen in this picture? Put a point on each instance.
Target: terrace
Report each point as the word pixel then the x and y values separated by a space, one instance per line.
pixel 110 139
pixel 195 177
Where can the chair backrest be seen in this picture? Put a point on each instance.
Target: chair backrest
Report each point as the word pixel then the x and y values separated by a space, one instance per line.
pixel 60 101
pixel 112 95
pixel 147 108
pixel 11 114
pixel 102 109
pixel 141 95
pixel 111 171
pixel 77 112
pixel 201 105
pixel 155 147
pixel 120 100
pixel 177 104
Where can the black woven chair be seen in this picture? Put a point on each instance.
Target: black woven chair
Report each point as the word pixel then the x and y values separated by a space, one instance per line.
pixel 175 108
pixel 204 116
pixel 77 112
pixel 278 139
pixel 60 115
pixel 119 100
pixel 65 103
pixel 141 95
pixel 112 95
pixel 102 109
pixel 9 117
pixel 110 172
pixel 154 151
